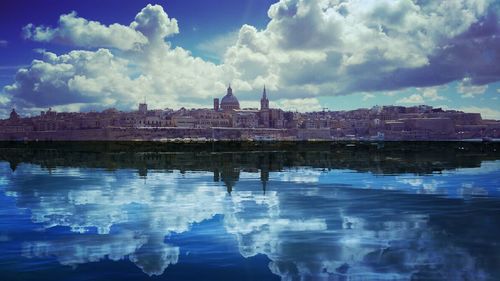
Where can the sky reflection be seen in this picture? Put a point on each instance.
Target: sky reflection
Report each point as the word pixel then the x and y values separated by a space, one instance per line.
pixel 310 223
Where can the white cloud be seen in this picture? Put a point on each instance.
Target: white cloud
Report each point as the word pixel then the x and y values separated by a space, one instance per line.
pixel 368 96
pixel 4 43
pixel 77 31
pixel 391 93
pixel 308 49
pixel 154 23
pixel 151 26
pixel 302 105
pixel 345 47
pixel 469 90
pixel 413 99
pixel 76 77
pixel 423 96
pixel 4 99
pixel 431 93
pixel 103 78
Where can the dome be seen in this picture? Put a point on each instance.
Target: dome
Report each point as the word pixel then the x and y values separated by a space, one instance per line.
pixel 13 114
pixel 229 101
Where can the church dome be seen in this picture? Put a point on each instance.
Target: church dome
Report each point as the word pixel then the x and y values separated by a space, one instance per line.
pixel 14 115
pixel 229 101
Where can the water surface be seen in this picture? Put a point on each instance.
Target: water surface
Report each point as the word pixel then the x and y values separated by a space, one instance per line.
pixel 421 211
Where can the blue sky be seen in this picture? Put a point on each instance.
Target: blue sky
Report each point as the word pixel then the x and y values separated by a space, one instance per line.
pixel 90 55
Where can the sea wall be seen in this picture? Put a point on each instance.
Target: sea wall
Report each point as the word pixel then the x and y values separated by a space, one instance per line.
pixel 150 134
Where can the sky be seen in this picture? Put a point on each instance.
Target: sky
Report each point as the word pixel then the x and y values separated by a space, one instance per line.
pixel 336 54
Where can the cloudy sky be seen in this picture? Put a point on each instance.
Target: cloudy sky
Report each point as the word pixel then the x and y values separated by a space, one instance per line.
pixel 335 54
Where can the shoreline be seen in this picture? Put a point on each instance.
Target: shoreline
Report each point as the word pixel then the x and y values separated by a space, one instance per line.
pixel 277 141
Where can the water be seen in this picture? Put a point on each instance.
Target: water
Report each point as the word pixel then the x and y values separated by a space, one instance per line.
pixel 421 211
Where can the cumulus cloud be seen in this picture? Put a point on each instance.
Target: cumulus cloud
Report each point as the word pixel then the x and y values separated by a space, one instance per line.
pixel 154 23
pixel 302 105
pixel 423 95
pixel 4 100
pixel 368 96
pixel 431 94
pixel 339 48
pixel 413 99
pixel 391 93
pixel 151 26
pixel 468 90
pixel 308 49
pixel 77 31
pixel 85 77
pixel 97 79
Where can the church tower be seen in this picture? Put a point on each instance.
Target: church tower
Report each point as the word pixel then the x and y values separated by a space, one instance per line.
pixel 264 102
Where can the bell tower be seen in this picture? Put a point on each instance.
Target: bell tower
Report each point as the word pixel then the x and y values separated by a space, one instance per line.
pixel 264 102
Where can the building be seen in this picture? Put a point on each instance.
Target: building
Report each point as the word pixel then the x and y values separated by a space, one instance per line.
pixel 264 102
pixel 13 115
pixel 143 108
pixel 225 120
pixel 211 118
pixel 216 104
pixel 246 119
pixel 229 101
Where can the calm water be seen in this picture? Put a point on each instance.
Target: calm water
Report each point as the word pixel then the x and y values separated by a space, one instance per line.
pixel 428 211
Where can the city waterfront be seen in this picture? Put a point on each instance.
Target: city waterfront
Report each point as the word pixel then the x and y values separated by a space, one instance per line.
pixel 227 121
pixel 292 140
pixel 249 211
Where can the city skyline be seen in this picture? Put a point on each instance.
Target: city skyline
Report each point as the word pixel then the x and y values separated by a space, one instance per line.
pixel 226 120
pixel 311 55
pixel 229 103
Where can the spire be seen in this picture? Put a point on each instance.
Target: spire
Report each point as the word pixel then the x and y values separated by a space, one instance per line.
pixel 264 102
pixel 229 90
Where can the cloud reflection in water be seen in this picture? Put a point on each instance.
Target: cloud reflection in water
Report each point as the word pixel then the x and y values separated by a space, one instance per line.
pixel 309 231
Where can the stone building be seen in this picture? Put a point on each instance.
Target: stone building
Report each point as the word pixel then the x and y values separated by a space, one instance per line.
pixel 246 119
pixel 229 101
